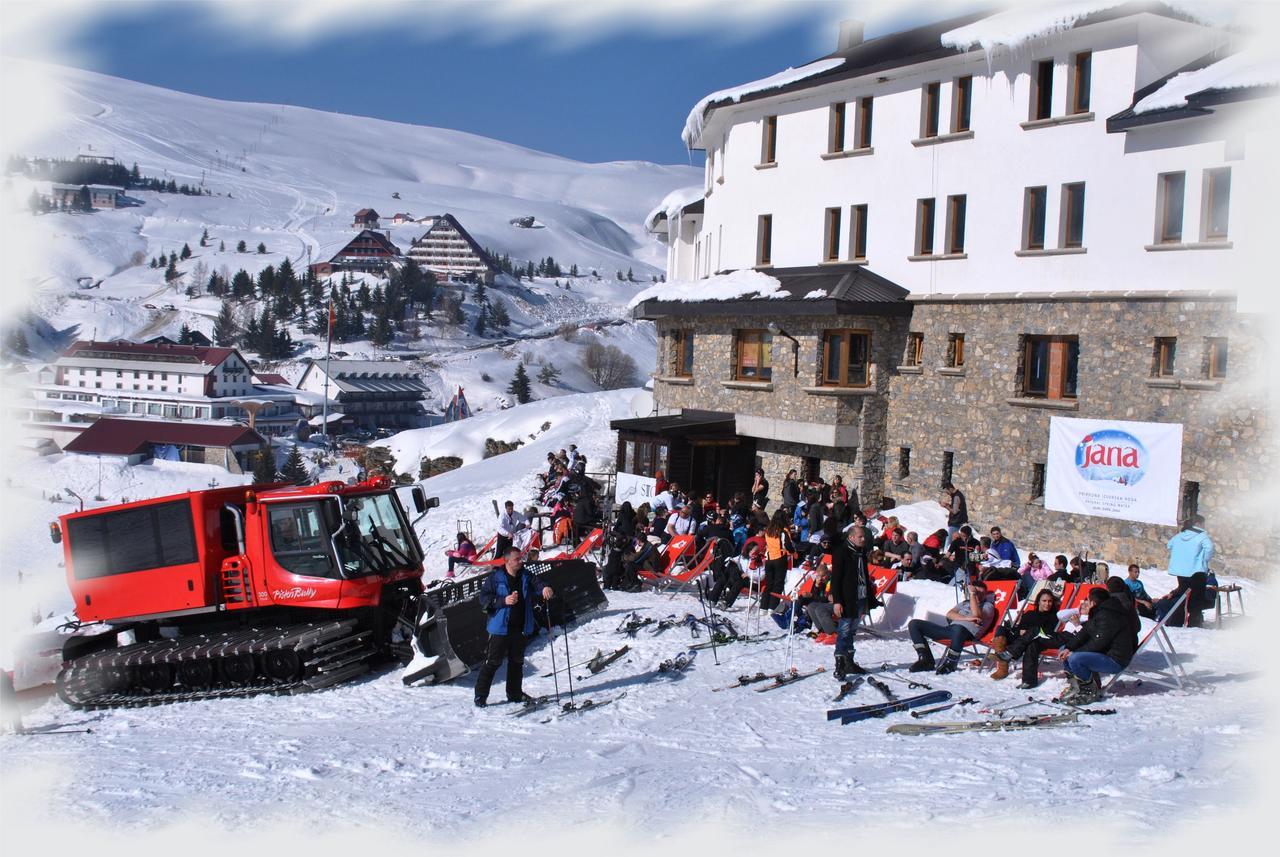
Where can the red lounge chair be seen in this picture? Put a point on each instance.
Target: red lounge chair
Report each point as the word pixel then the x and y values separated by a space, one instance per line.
pixel 667 556
pixel 1005 593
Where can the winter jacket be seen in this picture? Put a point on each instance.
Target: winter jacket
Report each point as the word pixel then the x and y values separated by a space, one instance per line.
pixel 1190 552
pixel 851 584
pixel 815 518
pixel 932 546
pixel 790 492
pixel 1035 622
pixel 1035 573
pixel 1109 631
pixel 465 551
pixel 1007 551
pixel 800 520
pixel 493 592
pixel 957 510
pixel 1137 590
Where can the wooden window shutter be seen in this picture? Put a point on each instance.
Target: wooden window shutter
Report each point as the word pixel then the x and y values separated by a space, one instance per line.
pixel 733 357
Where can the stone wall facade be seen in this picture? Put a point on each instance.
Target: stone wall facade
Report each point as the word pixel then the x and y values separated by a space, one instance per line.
pixel 997 435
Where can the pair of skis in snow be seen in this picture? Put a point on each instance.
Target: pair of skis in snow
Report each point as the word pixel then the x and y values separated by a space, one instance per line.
pixel 776 680
pixel 598 662
pixel 1032 721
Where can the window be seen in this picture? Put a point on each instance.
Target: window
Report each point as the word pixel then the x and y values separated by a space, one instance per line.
pixel 130 540
pixel 1215 357
pixel 764 240
pixel 955 223
pixel 831 236
pixel 300 541
pixel 948 465
pixel 755 356
pixel 1081 78
pixel 924 227
pixel 846 358
pixel 955 351
pixel 915 350
pixel 1166 349
pixel 1050 367
pixel 961 104
pixel 1042 89
pixel 769 140
pixel 1217 197
pixel 1037 481
pixel 682 353
pixel 835 139
pixel 904 462
pixel 930 96
pixel 1169 193
pixel 1189 503
pixel 1033 211
pixel 1072 215
pixel 858 232
pixel 862 137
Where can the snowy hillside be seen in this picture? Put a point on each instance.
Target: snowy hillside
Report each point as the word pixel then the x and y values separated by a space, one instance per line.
pixel 291 178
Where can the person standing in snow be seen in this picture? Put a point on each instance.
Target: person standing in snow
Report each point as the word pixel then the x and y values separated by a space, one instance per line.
pixel 509 595
pixel 851 589
pixel 1190 551
pixel 790 493
pixel 957 511
pixel 509 523
pixel 760 489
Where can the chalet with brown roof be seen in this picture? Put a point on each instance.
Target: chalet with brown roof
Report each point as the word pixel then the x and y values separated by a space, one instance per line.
pixel 370 252
pixel 366 218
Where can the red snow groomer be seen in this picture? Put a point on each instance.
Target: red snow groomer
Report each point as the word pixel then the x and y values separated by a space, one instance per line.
pixel 234 591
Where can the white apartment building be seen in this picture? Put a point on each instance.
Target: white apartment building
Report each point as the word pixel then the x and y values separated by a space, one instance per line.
pixel 449 251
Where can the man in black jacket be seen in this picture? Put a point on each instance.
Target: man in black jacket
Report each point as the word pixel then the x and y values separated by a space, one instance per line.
pixel 1105 644
pixel 851 588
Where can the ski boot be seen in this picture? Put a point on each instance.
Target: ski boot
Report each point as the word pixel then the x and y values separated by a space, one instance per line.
pixel 924 659
pixel 1074 686
pixel 842 667
pixel 949 662
pixel 1002 666
pixel 1090 691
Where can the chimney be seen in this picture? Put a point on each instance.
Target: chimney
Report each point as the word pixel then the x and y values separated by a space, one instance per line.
pixel 850 34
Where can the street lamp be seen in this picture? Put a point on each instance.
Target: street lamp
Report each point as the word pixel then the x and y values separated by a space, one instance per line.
pixel 77 496
pixel 775 330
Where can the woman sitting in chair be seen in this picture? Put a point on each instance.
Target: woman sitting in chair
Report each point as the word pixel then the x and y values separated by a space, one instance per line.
pixel 1037 630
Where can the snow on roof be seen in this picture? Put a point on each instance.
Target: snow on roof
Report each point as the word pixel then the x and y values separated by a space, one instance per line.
pixel 694 122
pixel 1252 67
pixel 735 285
pixel 671 205
pixel 1015 27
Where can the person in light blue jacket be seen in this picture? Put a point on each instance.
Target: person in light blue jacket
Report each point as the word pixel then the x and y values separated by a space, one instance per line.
pixel 1190 552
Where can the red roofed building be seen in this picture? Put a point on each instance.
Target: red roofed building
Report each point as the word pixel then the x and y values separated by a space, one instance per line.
pixel 228 445
pixel 366 218
pixel 370 252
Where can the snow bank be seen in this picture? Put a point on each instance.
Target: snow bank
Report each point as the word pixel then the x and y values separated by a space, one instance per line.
pixel 735 285
pixel 1251 67
pixel 694 122
pixel 671 205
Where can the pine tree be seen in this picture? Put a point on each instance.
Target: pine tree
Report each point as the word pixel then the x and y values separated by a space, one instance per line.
pixel 520 387
pixel 241 247
pixel 184 334
pixel 204 237
pixel 573 270
pixel 186 252
pixel 482 320
pixel 222 246
pixel 501 320
pixel 262 248
pixel 264 467
pixel 295 469
pixel 381 334
pixel 620 276
pixel 224 327
pixel 18 342
pixel 457 316
pixel 171 272
pixel 549 374
pixel 631 278
pixel 135 175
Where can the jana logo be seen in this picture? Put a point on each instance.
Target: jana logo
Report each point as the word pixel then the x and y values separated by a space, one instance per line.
pixel 1112 455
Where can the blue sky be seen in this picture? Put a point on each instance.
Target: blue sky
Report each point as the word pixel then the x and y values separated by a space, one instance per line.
pixel 601 92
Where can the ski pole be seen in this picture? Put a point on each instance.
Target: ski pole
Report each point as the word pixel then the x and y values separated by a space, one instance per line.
pixel 911 683
pixel 551 644
pixel 567 660
pixel 710 616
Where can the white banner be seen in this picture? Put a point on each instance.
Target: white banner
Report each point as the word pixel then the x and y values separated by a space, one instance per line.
pixel 636 489
pixel 1114 469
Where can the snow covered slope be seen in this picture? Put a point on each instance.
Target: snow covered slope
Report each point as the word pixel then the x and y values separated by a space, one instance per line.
pixel 292 177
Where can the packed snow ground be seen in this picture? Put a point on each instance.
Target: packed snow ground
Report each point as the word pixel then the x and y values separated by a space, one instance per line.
pixel 423 760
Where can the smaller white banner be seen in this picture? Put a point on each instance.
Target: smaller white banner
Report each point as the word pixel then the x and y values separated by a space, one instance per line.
pixel 634 489
pixel 1114 469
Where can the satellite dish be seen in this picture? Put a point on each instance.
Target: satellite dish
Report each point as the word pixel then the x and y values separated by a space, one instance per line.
pixel 642 404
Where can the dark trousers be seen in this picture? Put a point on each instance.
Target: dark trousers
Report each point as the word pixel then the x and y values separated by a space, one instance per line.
pixel 1028 647
pixel 727 581
pixel 1195 600
pixel 500 547
pixel 508 647
pixel 775 580
pixel 919 630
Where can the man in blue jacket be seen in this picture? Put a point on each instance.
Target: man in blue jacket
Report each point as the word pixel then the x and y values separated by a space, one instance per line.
pixel 1005 549
pixel 1190 551
pixel 509 596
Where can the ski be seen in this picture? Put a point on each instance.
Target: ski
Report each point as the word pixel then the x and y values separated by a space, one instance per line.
pixel 530 707
pixel 59 732
pixel 719 639
pixel 586 705
pixel 789 678
pixel 679 663
pixel 747 679
pixel 631 627
pixel 597 666
pixel 664 624
pixel 880 709
pixel 924 712
pixel 847 688
pixel 883 688
pixel 909 682
pixel 999 725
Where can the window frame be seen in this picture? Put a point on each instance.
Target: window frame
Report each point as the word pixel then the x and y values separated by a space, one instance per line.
pixel 930 109
pixel 1057 359
pixel 1033 196
pixel 955 351
pixel 1165 183
pixel 1081 82
pixel 864 122
pixel 914 353
pixel 682 353
pixel 957 210
pixel 831 234
pixel 904 462
pixel 1071 209
pixel 1037 480
pixel 1164 357
pixel 769 140
pixel 962 104
pixel 1212 181
pixel 764 240
pixel 757 339
pixel 845 335
pixel 836 128
pixel 1216 357
pixel 1041 106
pixel 858 232
pixel 926 213
pixel 948 466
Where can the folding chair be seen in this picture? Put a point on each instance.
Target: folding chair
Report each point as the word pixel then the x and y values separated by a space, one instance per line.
pixel 1173 676
pixel 680 577
pixel 1005 593
pixel 885 581
pixel 668 554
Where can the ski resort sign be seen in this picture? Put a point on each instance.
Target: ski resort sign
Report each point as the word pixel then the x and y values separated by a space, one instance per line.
pixel 637 489
pixel 1113 469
